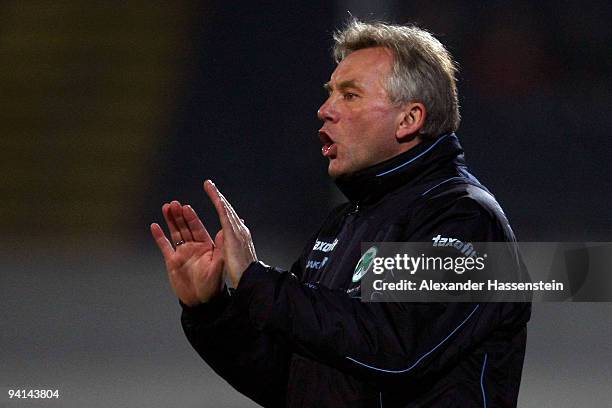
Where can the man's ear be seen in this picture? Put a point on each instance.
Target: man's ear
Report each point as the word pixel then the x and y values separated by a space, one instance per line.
pixel 411 121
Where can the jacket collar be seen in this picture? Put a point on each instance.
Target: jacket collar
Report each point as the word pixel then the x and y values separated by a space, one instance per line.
pixel 370 184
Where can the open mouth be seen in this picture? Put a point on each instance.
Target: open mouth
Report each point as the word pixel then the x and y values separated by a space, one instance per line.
pixel 329 147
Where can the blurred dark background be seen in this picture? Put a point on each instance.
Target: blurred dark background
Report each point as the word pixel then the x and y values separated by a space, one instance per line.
pixel 109 109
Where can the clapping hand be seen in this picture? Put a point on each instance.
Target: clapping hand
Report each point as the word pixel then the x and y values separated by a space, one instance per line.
pixel 195 264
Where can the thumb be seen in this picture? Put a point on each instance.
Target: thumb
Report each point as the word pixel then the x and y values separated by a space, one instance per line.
pixel 219 240
pixel 220 251
pixel 218 258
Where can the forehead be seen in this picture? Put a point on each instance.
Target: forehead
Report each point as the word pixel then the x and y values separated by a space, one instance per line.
pixel 365 65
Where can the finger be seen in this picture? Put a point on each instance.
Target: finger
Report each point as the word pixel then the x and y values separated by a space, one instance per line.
pixel 198 231
pixel 214 195
pixel 177 212
pixel 237 224
pixel 240 226
pixel 175 234
pixel 162 242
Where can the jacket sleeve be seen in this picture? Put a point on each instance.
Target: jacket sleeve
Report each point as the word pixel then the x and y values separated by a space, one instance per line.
pixel 254 362
pixel 379 342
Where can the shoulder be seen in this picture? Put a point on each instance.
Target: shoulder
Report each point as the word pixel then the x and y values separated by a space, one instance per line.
pixel 465 209
pixel 461 197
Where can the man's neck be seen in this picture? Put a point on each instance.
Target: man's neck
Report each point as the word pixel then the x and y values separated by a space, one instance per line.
pixel 406 167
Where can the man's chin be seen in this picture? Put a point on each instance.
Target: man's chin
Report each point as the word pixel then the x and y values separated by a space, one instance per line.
pixel 334 171
pixel 337 172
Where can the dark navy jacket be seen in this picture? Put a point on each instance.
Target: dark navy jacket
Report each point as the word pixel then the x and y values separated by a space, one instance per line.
pixel 303 338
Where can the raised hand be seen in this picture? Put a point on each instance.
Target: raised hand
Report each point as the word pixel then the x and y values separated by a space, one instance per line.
pixel 238 248
pixel 195 263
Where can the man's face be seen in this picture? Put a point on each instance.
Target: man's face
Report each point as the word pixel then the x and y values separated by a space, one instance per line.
pixel 360 122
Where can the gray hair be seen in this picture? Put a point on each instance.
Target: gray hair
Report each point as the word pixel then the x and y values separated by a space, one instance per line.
pixel 423 70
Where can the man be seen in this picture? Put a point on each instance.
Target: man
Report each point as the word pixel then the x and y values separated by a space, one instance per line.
pixel 304 338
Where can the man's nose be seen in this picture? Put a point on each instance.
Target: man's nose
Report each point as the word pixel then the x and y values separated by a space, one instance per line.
pixel 327 112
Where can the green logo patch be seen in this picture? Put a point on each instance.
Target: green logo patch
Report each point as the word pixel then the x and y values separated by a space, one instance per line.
pixel 364 264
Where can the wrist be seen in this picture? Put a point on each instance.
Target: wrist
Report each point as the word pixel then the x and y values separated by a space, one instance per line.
pixel 235 278
pixel 223 293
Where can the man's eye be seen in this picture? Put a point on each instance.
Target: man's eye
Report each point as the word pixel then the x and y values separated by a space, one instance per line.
pixel 349 96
